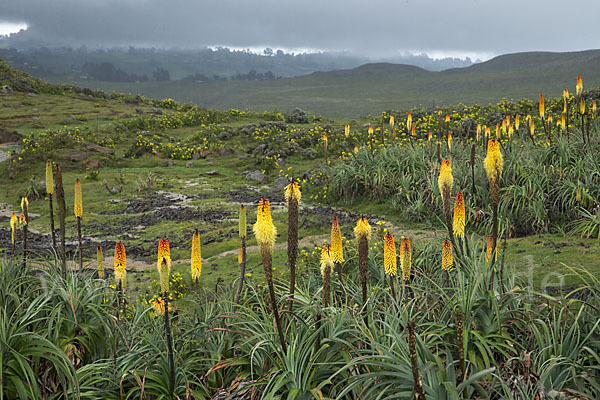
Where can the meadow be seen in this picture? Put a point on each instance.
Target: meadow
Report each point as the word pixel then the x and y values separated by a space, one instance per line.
pixel 420 253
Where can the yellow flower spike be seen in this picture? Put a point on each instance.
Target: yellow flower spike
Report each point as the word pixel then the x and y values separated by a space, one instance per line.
pixel 459 216
pixel 292 192
pixel 531 127
pixel 579 87
pixel 409 122
pixel 478 132
pixel 78 207
pixel 541 107
pixel 326 261
pixel 163 271
pixel 445 180
pixel 100 260
pixel 565 95
pixel 196 259
pixel 510 132
pixel 429 136
pixel 450 142
pixel 581 106
pixel 13 227
pixel 370 129
pixel 347 130
pixel 503 126
pixel 337 251
pixel 406 260
pixel 447 118
pixel 497 131
pixel 507 120
pixel 263 229
pixel 392 122
pixel 242 222
pixel 389 254
pixel 120 264
pixel 24 203
pixel 517 122
pixel 493 162
pixel 22 220
pixel 49 177
pixel 563 123
pixel 164 252
pixel 362 229
pixel 447 261
pixel 490 244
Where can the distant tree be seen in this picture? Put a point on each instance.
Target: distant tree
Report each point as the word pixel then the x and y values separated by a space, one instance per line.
pixel 161 74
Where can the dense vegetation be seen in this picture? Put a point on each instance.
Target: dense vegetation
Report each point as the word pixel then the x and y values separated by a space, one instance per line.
pixel 446 317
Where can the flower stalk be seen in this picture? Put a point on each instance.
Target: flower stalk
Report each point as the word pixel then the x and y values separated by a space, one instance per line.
pixel 265 233
pixel 50 192
pixel 242 252
pixel 24 208
pixel 62 213
pixel 362 233
pixel 389 261
pixel 196 260
pixel 292 197
pixel 78 209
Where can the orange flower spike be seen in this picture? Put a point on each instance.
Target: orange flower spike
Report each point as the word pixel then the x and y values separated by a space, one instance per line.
pixel 459 216
pixel 450 142
pixel 532 127
pixel 497 131
pixel 447 261
pixel 164 252
pixel 429 135
pixel 409 122
pixel 490 244
pixel 389 254
pixel 541 106
pixel 447 118
pixel 582 106
pixel 22 220
pixel 579 87
pixel 566 94
pixel 517 122
pixel 414 127
pixel 594 109
pixel 370 129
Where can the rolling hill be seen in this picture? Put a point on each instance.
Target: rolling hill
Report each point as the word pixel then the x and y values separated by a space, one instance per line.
pixel 372 88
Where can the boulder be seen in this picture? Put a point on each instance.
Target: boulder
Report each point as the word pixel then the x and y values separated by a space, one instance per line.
pixel 92 164
pixel 9 137
pixel 189 164
pixel 79 156
pixel 280 183
pixel 169 163
pixel 257 176
pixel 6 89
pixel 226 152
pixel 99 149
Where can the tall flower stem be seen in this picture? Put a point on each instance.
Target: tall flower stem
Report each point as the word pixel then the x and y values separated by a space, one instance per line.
pixel 414 362
pixel 62 213
pixel 242 271
pixel 80 243
pixel 52 230
pixel 169 344
pixel 292 245
pixel 25 206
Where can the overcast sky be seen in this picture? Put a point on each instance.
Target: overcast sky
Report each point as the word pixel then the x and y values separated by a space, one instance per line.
pixel 371 27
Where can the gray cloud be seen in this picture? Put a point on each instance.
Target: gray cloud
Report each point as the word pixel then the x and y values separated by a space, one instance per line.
pixel 374 27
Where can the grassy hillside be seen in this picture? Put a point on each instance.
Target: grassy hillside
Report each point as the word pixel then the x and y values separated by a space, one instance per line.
pixel 372 88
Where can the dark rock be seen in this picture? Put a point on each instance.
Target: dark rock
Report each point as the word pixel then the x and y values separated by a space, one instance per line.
pixel 280 183
pixel 226 152
pixel 139 111
pixel 9 137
